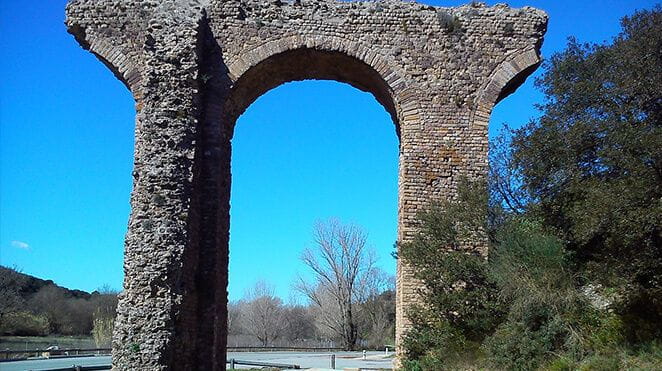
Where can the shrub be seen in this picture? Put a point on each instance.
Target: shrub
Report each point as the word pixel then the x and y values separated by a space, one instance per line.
pixel 601 363
pixel 461 303
pixel 561 364
pixel 546 311
pixel 432 339
pixel 449 22
pixel 25 324
pixel 516 346
pixel 102 330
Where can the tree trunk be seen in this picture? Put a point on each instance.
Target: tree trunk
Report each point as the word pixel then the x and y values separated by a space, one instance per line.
pixel 350 331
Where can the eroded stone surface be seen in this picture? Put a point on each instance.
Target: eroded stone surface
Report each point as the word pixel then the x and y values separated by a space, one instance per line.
pixel 194 66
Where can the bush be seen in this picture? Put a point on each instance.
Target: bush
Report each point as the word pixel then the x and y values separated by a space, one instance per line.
pixel 520 309
pixel 432 339
pixel 561 364
pixel 516 346
pixel 605 331
pixel 458 287
pixel 548 316
pixel 102 329
pixel 529 264
pixel 25 324
pixel 601 363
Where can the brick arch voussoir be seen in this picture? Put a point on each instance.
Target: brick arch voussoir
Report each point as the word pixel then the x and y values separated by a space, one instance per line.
pixel 401 91
pixel 503 81
pixel 121 64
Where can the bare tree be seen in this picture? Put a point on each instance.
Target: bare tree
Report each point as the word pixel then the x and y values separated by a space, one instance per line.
pixel 234 314
pixel 326 312
pixel 300 324
pixel 377 308
pixel 340 262
pixel 52 302
pixel 263 314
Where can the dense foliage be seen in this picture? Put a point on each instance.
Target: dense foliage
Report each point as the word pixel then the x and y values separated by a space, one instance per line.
pixel 593 161
pixel 573 274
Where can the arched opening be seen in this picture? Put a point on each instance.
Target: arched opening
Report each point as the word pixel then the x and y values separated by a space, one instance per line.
pixel 304 64
pixel 306 151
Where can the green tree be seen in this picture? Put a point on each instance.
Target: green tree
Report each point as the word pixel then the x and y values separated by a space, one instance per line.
pixel 592 163
pixel 574 203
pixel 517 308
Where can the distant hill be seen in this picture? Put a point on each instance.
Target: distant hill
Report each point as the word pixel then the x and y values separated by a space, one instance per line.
pixel 31 306
pixel 26 285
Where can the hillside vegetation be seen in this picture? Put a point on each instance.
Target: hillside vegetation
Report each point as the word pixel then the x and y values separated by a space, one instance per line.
pixel 573 274
pixel 30 306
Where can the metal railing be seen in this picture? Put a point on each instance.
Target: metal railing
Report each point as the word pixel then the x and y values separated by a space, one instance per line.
pixel 283 349
pixel 233 362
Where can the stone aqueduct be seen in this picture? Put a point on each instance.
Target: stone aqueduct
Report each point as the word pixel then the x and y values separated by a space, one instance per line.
pixel 193 66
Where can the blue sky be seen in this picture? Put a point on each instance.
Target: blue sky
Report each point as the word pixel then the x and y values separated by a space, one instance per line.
pixel 303 151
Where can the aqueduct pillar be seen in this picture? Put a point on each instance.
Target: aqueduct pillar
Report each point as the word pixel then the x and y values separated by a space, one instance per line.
pixel 193 66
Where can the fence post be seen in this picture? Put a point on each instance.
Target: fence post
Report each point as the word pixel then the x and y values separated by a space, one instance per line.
pixel 364 354
pixel 333 361
pixel 231 363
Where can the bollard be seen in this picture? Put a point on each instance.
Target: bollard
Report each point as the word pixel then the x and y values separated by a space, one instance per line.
pixel 387 351
pixel 364 354
pixel 231 363
pixel 333 361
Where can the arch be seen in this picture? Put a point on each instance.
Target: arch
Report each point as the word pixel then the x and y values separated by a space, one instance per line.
pixel 118 59
pixel 194 66
pixel 503 81
pixel 305 141
pixel 296 58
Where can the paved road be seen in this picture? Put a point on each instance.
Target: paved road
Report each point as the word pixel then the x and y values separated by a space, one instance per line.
pixel 322 360
pixel 45 364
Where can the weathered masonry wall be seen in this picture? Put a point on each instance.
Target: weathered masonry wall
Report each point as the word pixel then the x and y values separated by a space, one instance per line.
pixel 194 66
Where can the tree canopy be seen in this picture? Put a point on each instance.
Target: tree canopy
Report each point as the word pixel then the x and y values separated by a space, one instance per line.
pixel 572 278
pixel 592 163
